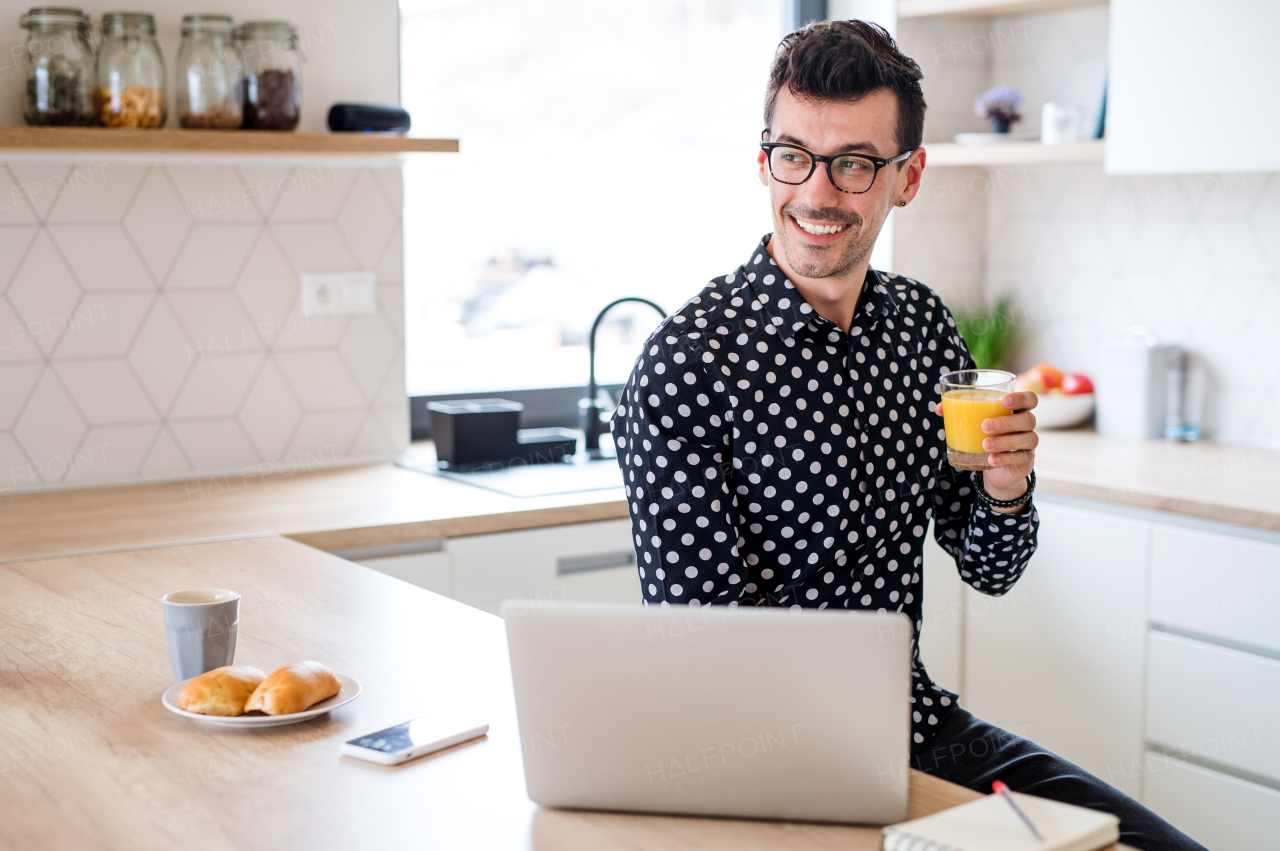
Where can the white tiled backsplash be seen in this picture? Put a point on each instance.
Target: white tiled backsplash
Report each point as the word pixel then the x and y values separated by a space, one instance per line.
pixel 150 322
pixel 1194 258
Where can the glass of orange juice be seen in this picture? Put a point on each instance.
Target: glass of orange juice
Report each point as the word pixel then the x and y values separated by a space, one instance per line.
pixel 970 396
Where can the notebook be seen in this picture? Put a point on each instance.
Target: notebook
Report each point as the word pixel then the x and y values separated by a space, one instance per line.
pixel 990 824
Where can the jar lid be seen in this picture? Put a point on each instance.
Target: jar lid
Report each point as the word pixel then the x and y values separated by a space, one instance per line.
pixel 120 22
pixel 47 15
pixel 192 24
pixel 282 28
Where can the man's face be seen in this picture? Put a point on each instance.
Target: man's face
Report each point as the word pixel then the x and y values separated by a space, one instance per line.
pixel 866 126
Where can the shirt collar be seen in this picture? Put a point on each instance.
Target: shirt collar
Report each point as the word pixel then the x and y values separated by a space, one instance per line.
pixel 790 313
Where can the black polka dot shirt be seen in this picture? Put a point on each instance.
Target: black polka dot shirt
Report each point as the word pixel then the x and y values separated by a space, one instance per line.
pixel 771 459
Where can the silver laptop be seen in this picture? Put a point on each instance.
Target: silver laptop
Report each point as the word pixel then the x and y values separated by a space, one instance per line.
pixel 753 713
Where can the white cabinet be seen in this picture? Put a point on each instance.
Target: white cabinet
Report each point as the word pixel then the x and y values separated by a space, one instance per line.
pixel 1214 704
pixel 1220 812
pixel 429 569
pixel 1059 659
pixel 1220 586
pixel 1145 652
pixel 588 561
pixel 942 616
pixel 1192 87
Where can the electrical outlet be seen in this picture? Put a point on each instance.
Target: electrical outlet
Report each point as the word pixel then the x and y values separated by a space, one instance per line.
pixel 338 294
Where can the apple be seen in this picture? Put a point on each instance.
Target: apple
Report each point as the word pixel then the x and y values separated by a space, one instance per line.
pixel 1056 391
pixel 1026 383
pixel 1051 374
pixel 1038 380
pixel 1077 384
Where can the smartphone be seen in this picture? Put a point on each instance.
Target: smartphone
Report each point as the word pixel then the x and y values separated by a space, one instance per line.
pixel 416 738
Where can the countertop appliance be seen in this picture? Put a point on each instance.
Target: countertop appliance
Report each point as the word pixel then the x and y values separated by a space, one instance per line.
pixel 1133 386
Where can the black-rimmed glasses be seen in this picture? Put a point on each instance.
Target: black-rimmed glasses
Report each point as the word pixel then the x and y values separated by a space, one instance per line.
pixel 852 173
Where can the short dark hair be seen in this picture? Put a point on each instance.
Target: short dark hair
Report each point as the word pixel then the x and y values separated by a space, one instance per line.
pixel 843 61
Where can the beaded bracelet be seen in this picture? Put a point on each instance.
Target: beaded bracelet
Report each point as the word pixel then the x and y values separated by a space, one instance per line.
pixel 1003 503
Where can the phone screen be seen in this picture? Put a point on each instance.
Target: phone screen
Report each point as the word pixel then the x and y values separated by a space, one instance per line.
pixel 413 734
pixel 394 739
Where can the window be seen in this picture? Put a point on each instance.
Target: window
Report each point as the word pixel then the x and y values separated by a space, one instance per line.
pixel 608 149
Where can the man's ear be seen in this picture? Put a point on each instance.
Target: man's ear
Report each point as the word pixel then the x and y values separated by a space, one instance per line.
pixel 762 159
pixel 914 168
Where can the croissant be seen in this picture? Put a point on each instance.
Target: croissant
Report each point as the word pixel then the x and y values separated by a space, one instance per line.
pixel 292 688
pixel 222 691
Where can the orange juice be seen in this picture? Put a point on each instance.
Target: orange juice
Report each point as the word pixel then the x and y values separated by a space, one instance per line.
pixel 962 414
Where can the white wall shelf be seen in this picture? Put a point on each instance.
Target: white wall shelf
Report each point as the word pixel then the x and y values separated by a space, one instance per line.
pixel 943 154
pixel 985 8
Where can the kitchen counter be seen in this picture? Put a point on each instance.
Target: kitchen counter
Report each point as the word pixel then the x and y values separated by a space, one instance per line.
pixel 345 508
pixel 330 509
pixel 1231 484
pixel 92 759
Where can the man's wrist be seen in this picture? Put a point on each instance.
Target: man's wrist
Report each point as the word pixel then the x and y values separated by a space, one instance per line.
pixel 1014 493
pixel 1005 494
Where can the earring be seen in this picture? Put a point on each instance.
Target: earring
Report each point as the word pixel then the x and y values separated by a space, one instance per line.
pixel 902 203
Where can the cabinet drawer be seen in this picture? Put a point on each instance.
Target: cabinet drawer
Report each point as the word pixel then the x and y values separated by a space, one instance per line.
pixel 428 570
pixel 593 562
pixel 1214 704
pixel 1217 811
pixel 1216 585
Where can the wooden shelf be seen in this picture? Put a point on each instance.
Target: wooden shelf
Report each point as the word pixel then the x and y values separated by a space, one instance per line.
pixel 1014 153
pixel 214 141
pixel 985 8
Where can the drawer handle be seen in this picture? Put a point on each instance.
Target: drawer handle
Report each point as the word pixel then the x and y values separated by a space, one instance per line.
pixel 598 561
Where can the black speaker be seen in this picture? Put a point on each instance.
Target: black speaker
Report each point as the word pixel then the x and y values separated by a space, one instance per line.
pixel 484 434
pixel 367 118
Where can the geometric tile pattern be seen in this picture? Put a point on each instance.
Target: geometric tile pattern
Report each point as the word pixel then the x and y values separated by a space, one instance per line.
pixel 1191 257
pixel 1194 258
pixel 151 326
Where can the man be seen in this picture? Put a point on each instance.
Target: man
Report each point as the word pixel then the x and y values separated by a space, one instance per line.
pixel 778 437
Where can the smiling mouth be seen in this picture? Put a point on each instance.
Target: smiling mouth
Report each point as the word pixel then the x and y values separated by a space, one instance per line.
pixel 818 229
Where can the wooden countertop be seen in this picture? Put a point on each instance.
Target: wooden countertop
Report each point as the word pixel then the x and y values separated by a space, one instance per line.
pixel 350 507
pixel 1232 484
pixel 92 760
pixel 331 509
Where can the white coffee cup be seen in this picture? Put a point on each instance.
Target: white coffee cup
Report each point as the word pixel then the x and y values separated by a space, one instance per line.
pixel 1060 123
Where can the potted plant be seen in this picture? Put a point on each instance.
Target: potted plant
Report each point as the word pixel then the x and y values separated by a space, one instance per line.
pixel 999 106
pixel 988 333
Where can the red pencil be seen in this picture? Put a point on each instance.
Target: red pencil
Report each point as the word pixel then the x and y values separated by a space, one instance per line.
pixel 1003 791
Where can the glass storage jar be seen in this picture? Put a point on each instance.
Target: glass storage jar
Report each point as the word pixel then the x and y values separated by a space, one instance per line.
pixel 272 77
pixel 57 68
pixel 208 76
pixel 130 72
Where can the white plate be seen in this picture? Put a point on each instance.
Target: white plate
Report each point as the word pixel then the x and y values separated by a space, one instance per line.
pixel 1061 411
pixel 350 691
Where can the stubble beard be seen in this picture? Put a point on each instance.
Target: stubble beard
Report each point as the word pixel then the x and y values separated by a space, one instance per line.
pixel 819 262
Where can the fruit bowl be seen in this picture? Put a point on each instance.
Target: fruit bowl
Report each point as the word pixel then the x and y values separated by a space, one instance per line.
pixel 1057 410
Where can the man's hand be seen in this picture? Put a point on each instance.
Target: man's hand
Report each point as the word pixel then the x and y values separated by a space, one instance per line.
pixel 1012 449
